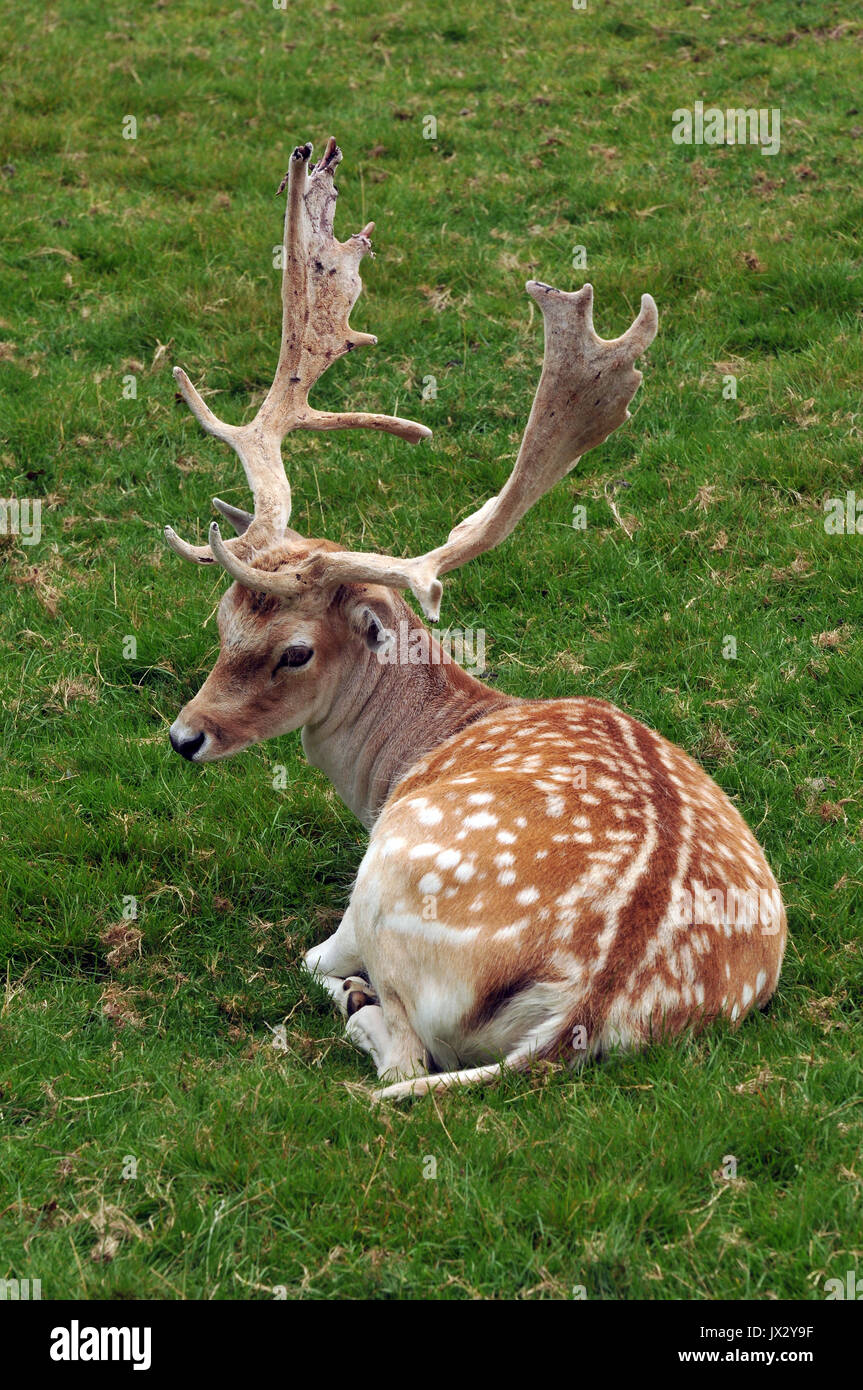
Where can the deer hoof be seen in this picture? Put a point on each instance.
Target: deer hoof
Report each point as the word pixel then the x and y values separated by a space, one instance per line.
pixel 356 994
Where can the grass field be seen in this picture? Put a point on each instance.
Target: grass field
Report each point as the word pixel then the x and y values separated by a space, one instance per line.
pixel 260 1172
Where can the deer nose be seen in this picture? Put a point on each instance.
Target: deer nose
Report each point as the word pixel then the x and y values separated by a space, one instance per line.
pixel 186 746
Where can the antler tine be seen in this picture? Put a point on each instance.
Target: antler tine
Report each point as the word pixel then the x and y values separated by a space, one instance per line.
pixel 324 569
pixel 239 519
pixel 585 388
pixel 320 285
pixel 197 554
pixel 202 554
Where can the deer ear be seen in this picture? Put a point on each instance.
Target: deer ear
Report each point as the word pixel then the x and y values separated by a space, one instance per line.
pixel 374 619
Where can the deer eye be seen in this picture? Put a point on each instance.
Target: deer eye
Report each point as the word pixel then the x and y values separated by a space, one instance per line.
pixel 294 657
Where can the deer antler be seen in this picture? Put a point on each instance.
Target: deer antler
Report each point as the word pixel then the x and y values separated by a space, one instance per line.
pixel 320 285
pixel 583 394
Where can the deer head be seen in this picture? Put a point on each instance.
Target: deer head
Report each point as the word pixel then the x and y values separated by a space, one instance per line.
pixel 305 623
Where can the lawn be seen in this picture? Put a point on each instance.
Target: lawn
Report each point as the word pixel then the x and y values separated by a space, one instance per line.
pixel 158 1139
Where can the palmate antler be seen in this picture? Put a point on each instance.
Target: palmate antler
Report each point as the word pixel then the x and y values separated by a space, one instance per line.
pixel 320 285
pixel 583 394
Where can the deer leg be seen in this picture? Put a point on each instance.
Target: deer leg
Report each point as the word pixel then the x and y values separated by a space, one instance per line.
pixel 334 965
pixel 367 1029
pixel 388 1038
pixel 339 955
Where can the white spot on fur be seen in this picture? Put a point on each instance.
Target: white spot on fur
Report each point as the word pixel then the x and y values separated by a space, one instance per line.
pixel 425 850
pixel 514 929
pixel 448 858
pixel 409 924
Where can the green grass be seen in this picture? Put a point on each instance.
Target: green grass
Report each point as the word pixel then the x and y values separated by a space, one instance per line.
pixel 256 1168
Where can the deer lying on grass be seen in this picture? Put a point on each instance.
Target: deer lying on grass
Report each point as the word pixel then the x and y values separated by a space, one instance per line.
pixel 544 878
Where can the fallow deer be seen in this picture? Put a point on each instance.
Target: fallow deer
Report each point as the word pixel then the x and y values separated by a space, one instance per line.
pixel 544 878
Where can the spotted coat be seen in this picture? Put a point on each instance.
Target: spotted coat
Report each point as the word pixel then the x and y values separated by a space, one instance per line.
pixel 559 880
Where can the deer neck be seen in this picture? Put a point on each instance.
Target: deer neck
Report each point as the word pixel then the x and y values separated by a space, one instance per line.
pixel 387 714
